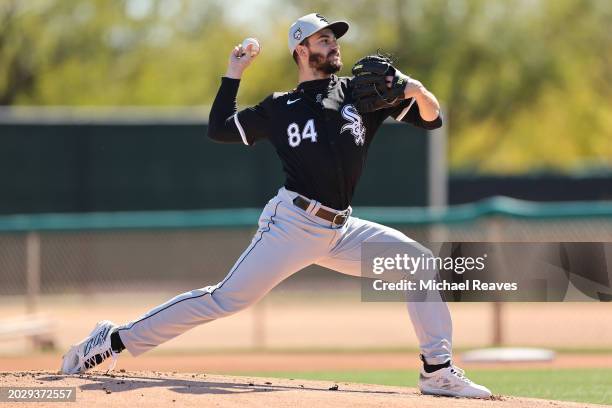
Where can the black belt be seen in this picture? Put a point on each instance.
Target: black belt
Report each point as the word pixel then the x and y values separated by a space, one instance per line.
pixel 335 218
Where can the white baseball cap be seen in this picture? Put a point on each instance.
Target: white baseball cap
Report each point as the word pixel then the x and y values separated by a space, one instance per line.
pixel 309 24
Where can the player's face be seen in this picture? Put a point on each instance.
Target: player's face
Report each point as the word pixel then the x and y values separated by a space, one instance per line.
pixel 324 53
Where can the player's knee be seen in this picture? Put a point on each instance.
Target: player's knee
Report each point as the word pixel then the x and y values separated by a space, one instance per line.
pixel 427 253
pixel 413 248
pixel 394 236
pixel 229 302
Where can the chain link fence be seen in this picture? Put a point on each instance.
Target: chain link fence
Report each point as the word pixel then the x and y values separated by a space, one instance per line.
pixel 140 260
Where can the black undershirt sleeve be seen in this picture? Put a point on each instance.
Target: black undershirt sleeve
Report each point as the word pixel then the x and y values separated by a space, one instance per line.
pixel 221 125
pixel 227 125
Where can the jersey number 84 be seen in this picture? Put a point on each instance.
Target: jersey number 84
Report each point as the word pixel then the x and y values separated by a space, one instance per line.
pixel 296 137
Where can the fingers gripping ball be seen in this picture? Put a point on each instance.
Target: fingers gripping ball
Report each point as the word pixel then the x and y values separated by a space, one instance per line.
pixel 370 89
pixel 250 45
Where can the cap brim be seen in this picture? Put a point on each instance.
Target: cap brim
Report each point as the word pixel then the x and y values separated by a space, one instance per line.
pixel 339 28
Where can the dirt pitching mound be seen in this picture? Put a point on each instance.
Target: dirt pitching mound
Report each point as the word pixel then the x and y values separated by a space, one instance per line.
pixel 156 389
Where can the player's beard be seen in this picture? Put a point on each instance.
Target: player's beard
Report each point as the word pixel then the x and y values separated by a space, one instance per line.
pixel 327 65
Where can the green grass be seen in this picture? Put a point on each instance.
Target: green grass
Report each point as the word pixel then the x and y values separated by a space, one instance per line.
pixel 580 385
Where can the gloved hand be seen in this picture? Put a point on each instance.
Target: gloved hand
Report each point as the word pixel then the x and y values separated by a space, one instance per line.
pixel 371 89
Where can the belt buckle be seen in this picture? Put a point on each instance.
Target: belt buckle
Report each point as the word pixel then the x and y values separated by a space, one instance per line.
pixel 343 218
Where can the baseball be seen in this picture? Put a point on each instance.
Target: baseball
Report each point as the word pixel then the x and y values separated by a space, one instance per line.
pixel 255 47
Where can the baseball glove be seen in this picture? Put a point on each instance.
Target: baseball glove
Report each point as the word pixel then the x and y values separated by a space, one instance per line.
pixel 370 90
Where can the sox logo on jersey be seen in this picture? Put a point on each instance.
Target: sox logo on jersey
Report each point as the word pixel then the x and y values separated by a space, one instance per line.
pixel 355 125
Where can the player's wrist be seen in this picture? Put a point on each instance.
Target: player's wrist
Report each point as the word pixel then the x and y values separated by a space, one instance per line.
pixel 234 72
pixel 411 85
pixel 414 89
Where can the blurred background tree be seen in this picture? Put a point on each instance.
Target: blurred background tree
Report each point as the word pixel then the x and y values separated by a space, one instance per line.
pixel 527 84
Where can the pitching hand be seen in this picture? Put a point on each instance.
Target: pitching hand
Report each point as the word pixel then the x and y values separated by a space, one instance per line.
pixel 239 60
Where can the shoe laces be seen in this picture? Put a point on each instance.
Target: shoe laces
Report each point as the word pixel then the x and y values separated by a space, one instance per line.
pixel 459 373
pixel 97 359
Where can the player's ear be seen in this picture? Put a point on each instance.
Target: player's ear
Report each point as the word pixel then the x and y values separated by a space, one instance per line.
pixel 302 50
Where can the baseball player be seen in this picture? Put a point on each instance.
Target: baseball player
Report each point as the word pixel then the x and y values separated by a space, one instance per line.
pixel 321 131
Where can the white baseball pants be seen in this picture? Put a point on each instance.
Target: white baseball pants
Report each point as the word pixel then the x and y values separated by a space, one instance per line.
pixel 287 240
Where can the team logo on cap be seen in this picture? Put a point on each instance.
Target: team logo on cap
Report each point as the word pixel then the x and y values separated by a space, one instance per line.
pixel 297 34
pixel 323 19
